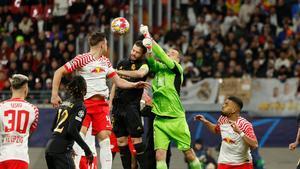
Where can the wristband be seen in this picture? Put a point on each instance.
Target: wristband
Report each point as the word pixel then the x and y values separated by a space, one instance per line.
pixel 242 134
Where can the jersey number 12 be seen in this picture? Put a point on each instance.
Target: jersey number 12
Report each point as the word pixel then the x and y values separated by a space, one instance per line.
pixel 61 118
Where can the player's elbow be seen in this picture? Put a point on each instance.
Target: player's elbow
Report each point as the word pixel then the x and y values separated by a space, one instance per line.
pixel 140 75
pixel 254 145
pixel 60 71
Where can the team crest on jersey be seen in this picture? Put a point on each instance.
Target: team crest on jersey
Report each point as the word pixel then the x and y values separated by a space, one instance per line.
pixel 97 70
pixel 81 113
pixel 133 67
pixel 228 140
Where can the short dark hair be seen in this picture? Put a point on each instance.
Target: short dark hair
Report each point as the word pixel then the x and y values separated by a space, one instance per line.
pixel 139 43
pixel 77 87
pixel 237 101
pixel 96 37
pixel 18 80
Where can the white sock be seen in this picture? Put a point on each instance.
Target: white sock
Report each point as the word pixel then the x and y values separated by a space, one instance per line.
pixel 78 151
pixel 105 154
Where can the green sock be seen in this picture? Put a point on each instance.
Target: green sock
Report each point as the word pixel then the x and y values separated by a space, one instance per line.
pixel 161 165
pixel 195 164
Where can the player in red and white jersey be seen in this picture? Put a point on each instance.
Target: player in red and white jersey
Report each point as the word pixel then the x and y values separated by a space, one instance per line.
pixel 18 119
pixel 237 136
pixel 96 69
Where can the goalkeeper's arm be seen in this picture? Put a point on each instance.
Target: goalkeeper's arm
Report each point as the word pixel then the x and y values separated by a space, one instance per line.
pixel 157 50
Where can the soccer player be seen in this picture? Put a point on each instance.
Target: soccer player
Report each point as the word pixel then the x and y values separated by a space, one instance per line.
pixel 126 106
pixel 18 119
pixel 95 69
pixel 237 135
pixel 170 122
pixel 294 145
pixel 66 127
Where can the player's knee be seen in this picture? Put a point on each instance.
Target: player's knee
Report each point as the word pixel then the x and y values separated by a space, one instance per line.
pixel 122 141
pixel 161 155
pixel 136 140
pixel 189 155
pixel 104 134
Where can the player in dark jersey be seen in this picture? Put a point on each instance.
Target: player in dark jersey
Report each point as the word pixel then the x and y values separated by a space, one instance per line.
pixel 126 106
pixel 66 127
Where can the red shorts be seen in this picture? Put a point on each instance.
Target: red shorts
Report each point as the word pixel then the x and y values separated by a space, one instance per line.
pixel 242 166
pixel 84 163
pixel 114 144
pixel 13 164
pixel 98 115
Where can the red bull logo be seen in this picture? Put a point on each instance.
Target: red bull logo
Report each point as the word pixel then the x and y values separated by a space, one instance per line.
pixel 228 140
pixel 97 70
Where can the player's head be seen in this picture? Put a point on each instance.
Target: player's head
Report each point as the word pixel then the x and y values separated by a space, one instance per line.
pixel 19 85
pixel 232 105
pixel 138 50
pixel 174 55
pixel 77 87
pixel 98 39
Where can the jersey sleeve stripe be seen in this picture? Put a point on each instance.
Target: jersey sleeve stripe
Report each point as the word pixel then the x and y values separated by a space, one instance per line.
pixel 112 74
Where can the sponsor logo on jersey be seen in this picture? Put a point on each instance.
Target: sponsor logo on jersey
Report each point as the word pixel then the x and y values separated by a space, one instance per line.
pixel 229 140
pixel 97 70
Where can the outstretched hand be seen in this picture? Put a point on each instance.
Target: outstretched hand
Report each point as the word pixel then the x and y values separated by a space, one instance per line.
pixel 142 84
pixel 200 117
pixel 293 146
pixel 147 42
pixel 144 30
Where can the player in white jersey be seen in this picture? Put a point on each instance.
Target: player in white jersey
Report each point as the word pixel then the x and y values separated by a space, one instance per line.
pixel 95 68
pixel 80 160
pixel 18 119
pixel 237 136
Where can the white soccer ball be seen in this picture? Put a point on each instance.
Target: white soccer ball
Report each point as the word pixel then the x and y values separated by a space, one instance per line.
pixel 120 26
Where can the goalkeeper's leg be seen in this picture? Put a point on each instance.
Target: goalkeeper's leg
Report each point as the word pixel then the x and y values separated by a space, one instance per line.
pixel 192 159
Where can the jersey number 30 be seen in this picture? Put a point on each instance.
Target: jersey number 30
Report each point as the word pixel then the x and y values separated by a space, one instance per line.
pixel 61 118
pixel 17 120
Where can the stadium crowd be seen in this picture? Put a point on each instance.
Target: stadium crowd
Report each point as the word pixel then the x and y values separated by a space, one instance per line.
pixel 218 39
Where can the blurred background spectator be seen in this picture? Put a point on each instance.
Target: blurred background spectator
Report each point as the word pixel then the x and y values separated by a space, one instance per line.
pixel 217 38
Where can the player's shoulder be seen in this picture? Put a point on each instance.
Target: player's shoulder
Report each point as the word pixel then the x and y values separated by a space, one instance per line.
pixel 76 105
pixel 243 122
pixel 222 119
pixel 105 60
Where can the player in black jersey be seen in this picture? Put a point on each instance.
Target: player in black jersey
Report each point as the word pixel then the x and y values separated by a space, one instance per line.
pixel 126 106
pixel 66 127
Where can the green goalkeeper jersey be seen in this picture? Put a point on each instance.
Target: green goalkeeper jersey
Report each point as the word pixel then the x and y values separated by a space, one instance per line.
pixel 166 84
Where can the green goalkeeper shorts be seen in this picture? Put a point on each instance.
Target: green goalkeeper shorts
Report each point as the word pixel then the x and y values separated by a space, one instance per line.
pixel 175 129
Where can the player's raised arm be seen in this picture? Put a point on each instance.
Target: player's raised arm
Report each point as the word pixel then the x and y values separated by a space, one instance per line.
pixel 59 73
pixel 153 64
pixel 211 127
pixel 157 50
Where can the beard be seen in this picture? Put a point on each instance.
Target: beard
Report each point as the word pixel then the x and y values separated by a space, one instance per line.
pixel 224 113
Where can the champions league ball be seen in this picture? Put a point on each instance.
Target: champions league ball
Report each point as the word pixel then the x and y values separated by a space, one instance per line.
pixel 120 26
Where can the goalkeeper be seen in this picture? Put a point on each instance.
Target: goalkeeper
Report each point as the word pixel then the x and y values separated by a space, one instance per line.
pixel 169 123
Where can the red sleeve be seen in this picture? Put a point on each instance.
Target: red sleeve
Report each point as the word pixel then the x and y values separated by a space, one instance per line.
pixel 78 62
pixel 220 121
pixel 36 118
pixel 248 130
